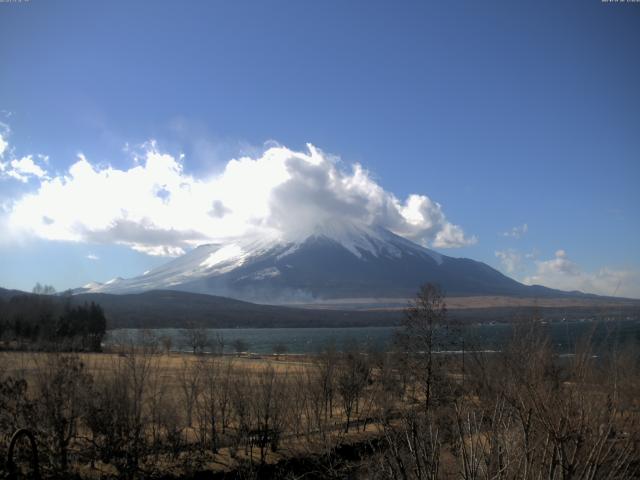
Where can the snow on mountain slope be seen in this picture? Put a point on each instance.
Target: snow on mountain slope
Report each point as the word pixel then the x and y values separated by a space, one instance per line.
pixel 333 260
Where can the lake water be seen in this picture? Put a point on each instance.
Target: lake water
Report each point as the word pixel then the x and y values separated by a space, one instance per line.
pixel 311 340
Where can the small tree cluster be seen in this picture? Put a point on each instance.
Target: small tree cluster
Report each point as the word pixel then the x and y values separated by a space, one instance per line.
pixel 47 322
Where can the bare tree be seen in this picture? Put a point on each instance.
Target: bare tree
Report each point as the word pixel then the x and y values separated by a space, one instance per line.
pixel 410 448
pixel 189 376
pixel 223 399
pixel 280 349
pixel 240 403
pixel 39 289
pixel 353 375
pixel 327 364
pixel 196 338
pixel 212 388
pixel 267 407
pixel 240 345
pixel 167 342
pixel 538 417
pixel 417 338
pixel 61 385
pixel 116 414
pixel 217 344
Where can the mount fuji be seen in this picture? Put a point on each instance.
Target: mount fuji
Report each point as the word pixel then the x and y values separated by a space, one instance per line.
pixel 335 260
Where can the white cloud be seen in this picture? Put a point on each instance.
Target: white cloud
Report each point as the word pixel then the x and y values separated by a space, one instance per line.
pixel 516 232
pixel 3 144
pixel 157 208
pixel 92 256
pixel 562 273
pixel 510 259
pixel 24 168
pixel 423 220
pixel 21 169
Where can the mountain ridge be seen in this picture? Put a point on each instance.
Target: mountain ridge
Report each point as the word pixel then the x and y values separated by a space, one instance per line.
pixel 176 309
pixel 333 261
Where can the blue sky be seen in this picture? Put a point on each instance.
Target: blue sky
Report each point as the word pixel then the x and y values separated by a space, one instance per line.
pixel 505 113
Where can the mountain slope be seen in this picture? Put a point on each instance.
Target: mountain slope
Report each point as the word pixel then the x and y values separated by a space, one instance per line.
pixel 334 261
pixel 166 308
pixel 175 309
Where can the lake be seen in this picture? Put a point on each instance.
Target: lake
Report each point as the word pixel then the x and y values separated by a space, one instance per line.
pixel 311 340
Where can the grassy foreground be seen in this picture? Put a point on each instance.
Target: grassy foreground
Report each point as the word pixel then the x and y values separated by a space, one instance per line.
pixel 412 413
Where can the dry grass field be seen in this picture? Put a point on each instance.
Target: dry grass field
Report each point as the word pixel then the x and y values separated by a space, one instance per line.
pixel 176 385
pixel 525 412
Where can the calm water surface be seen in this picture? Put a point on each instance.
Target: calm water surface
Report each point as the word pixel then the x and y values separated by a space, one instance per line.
pixel 311 340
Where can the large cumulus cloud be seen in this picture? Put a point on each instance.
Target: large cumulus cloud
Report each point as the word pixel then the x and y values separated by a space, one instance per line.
pixel 157 208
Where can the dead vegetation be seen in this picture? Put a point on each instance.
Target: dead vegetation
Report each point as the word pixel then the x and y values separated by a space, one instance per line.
pixel 413 413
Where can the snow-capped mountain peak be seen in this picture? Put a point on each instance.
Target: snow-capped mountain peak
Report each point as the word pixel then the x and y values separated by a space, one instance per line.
pixel 359 239
pixel 332 260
